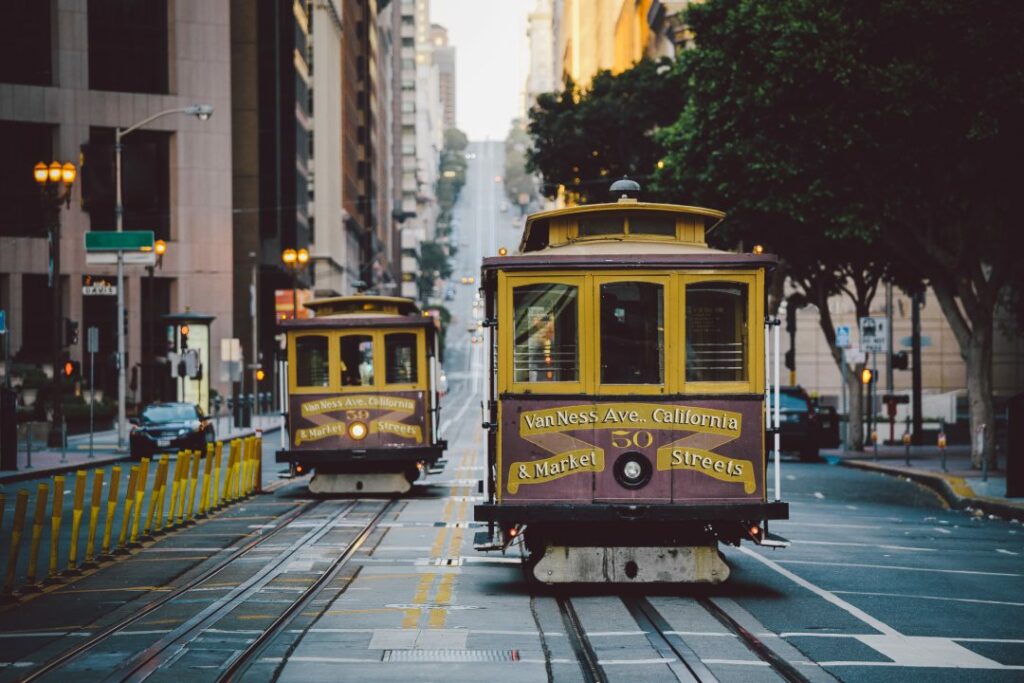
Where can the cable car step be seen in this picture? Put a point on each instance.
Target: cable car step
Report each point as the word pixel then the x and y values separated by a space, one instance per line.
pixel 771 540
pixel 485 542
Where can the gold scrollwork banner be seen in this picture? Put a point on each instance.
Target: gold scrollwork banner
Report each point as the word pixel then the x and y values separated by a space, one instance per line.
pixel 319 432
pixel 720 467
pixel 406 431
pixel 589 459
pixel 630 416
pixel 362 402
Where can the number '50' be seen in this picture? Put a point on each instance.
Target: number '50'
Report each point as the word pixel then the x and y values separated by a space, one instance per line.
pixel 626 439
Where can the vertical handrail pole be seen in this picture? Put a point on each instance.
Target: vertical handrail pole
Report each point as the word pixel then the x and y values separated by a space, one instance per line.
pixel 775 421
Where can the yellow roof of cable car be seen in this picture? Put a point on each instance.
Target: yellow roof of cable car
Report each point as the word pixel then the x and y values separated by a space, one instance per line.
pixel 362 304
pixel 626 220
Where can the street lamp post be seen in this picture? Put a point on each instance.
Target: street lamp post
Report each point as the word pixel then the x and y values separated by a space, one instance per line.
pixel 295 260
pixel 202 112
pixel 50 179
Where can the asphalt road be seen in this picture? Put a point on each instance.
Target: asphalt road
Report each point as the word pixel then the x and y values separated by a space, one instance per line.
pixel 881 583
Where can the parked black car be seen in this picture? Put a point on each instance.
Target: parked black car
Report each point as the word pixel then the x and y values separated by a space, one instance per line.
pixel 799 423
pixel 164 427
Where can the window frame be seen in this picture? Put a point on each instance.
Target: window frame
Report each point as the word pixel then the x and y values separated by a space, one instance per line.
pixel 334 360
pixel 669 338
pixel 507 283
pixel 754 383
pixel 588 309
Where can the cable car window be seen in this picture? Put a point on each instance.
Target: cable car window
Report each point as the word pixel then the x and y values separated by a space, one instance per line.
pixel 652 223
pixel 632 333
pixel 600 224
pixel 356 360
pixel 311 363
pixel 400 355
pixel 546 332
pixel 716 332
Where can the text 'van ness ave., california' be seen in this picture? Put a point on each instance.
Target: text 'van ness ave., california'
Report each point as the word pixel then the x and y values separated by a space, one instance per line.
pixel 637 415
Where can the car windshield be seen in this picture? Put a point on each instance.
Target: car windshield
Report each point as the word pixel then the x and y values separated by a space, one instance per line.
pixel 793 403
pixel 169 413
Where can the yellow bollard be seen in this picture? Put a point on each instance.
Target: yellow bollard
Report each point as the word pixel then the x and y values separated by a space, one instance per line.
pixel 204 498
pixel 126 512
pixel 76 523
pixel 140 493
pixel 179 508
pixel 193 484
pixel 236 472
pixel 31 582
pixel 175 480
pixel 216 476
pixel 108 523
pixel 20 506
pixel 243 470
pixel 94 519
pixel 258 486
pixel 156 499
pixel 225 499
pixel 56 514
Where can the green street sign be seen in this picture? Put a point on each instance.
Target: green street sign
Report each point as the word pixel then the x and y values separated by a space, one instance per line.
pixel 130 240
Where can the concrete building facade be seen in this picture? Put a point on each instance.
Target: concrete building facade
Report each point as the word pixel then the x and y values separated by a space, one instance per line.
pixel 64 102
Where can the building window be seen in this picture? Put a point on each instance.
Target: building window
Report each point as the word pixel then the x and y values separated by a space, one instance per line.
pixel 23 145
pixel 128 45
pixel 25 46
pixel 145 177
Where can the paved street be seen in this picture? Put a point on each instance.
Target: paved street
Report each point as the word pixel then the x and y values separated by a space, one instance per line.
pixel 882 582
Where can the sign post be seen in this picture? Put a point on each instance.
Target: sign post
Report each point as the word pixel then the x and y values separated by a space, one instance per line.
pixel 92 345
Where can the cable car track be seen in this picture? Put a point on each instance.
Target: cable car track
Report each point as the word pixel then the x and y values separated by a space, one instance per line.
pixel 684 663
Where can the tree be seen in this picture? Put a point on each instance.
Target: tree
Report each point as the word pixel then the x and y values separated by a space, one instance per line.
pixel 451 176
pixel 519 182
pixel 890 124
pixel 583 139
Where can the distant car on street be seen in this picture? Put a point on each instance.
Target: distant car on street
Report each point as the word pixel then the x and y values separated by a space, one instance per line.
pixel 799 425
pixel 164 427
pixel 468 280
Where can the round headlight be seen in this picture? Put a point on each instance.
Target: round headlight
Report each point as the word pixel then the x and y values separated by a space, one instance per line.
pixel 633 470
pixel 357 430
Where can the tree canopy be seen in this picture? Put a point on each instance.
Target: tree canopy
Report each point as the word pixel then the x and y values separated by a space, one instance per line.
pixel 585 138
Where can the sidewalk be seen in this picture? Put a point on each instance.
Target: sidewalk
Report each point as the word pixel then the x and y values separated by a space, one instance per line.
pixel 961 486
pixel 47 461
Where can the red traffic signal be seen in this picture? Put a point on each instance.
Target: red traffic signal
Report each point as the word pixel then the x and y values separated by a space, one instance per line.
pixel 70 369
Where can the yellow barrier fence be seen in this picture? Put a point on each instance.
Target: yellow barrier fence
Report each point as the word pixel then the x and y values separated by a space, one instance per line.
pixel 108 522
pixel 94 518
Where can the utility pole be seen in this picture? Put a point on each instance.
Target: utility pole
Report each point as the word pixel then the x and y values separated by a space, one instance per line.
pixel 917 301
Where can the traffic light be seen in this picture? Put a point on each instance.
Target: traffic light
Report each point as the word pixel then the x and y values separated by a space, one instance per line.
pixel 184 337
pixel 791 360
pixel 71 369
pixel 70 332
pixel 260 375
pixel 900 361
pixel 867 376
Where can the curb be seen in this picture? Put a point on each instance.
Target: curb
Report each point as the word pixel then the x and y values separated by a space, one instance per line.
pixel 954 490
pixel 102 461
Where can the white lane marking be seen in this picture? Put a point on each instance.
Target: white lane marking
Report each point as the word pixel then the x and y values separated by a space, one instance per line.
pixel 819 495
pixel 543 661
pixel 941 530
pixel 712 634
pixel 797 542
pixel 615 633
pixel 152 632
pixel 740 662
pixel 321 660
pixel 851 507
pixel 1001 667
pixel 933 597
pixel 613 662
pixel 1006 552
pixel 858 636
pixel 876 624
pixel 901 568
pixel 911 650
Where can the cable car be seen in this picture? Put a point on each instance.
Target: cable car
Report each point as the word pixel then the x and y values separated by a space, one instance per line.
pixel 628 411
pixel 363 400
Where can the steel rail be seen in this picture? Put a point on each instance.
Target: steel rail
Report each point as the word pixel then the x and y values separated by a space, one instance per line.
pixel 145 663
pixel 148 608
pixel 585 655
pixel 685 663
pixel 278 625
pixel 755 644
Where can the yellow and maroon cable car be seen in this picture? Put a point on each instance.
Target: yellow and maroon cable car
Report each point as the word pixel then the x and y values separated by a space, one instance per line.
pixel 363 404
pixel 627 416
